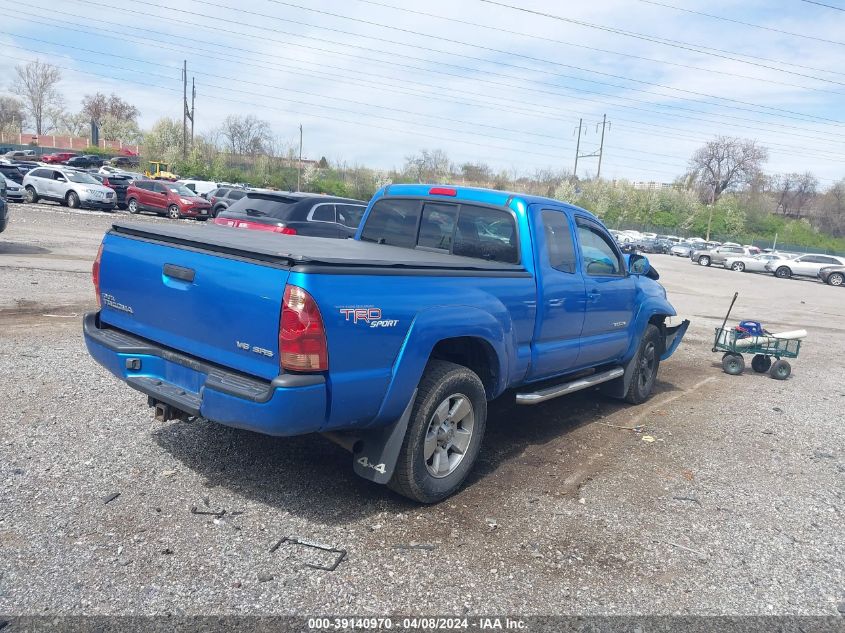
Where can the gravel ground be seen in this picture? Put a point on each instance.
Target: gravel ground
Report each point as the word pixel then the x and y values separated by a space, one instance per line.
pixel 734 508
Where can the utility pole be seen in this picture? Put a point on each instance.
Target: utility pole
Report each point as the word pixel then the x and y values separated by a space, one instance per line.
pixel 193 103
pixel 601 146
pixel 184 109
pixel 599 153
pixel 577 147
pixel 299 172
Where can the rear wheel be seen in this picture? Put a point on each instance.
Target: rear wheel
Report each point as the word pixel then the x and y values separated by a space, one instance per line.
pixel 780 370
pixel 646 364
pixel 738 267
pixel 783 272
pixel 836 279
pixel 761 363
pixel 133 206
pixel 31 196
pixel 444 433
pixel 704 260
pixel 72 199
pixel 733 364
pixel 173 212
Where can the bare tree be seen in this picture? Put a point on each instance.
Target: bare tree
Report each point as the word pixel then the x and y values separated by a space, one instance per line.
pixel 726 163
pixel 427 166
pixel 793 192
pixel 98 106
pixel 12 115
pixel 36 85
pixel 247 135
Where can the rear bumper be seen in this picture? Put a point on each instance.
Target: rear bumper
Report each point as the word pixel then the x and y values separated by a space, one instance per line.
pixel 290 404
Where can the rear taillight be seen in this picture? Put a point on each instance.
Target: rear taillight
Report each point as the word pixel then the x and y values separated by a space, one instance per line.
pixel 95 275
pixel 302 337
pixel 255 226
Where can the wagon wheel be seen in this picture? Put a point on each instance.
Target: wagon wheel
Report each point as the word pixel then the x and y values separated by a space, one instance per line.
pixel 780 370
pixel 761 363
pixel 733 364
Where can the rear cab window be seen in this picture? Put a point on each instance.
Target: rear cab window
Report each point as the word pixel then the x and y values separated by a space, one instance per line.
pixel 465 229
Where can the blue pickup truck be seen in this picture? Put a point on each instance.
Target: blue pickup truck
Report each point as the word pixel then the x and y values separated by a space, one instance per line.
pixel 392 343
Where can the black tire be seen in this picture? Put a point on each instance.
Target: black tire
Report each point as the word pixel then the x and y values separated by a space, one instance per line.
pixel 738 267
pixel 31 195
pixel 72 200
pixel 835 279
pixel 173 212
pixel 412 477
pixel 780 370
pixel 646 365
pixel 783 272
pixel 216 211
pixel 704 260
pixel 733 364
pixel 133 207
pixel 761 363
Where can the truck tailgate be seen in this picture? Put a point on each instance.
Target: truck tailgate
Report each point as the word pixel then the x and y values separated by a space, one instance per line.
pixel 222 308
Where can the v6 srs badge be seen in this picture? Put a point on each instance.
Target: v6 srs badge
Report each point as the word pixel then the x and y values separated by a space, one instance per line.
pixel 370 316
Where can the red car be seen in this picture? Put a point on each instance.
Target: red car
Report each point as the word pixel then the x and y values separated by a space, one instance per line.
pixel 58 157
pixel 166 198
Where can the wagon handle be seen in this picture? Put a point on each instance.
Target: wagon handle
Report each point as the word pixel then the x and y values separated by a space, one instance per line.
pixel 733 301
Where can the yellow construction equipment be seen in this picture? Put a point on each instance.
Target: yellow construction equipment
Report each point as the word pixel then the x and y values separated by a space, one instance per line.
pixel 160 171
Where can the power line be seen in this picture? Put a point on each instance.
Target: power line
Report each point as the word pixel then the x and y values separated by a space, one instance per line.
pixel 698 48
pixel 474 70
pixel 822 4
pixel 545 115
pixel 756 26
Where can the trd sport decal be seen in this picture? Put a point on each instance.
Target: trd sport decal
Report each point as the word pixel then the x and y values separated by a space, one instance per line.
pixel 370 316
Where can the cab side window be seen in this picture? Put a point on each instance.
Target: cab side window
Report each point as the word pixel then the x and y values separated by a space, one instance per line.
pixel 559 245
pixel 598 255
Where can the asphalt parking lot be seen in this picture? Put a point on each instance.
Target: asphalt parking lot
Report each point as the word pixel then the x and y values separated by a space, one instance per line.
pixel 725 498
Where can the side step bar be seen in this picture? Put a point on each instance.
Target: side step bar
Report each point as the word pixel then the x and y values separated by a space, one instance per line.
pixel 536 397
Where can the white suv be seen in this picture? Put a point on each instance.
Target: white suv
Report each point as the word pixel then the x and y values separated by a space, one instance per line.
pixel 68 186
pixel 803 266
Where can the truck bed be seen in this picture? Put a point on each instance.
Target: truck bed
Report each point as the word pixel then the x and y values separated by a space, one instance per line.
pixel 297 250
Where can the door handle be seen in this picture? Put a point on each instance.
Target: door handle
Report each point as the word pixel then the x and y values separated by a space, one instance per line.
pixel 594 295
pixel 179 272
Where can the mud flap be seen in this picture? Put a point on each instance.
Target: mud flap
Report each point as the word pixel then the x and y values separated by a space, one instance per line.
pixel 376 451
pixel 672 338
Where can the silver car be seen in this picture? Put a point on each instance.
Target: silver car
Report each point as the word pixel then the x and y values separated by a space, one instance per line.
pixel 751 263
pixel 68 186
pixel 14 191
pixel 803 265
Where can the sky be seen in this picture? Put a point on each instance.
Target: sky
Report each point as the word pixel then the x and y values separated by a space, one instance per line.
pixel 503 82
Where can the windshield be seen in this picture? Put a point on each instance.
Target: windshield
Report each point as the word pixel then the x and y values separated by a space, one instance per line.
pixel 82 178
pixel 182 190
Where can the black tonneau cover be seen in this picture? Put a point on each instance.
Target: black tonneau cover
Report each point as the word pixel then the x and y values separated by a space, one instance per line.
pixel 301 250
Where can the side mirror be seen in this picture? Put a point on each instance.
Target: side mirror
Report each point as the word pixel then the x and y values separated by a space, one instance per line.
pixel 638 264
pixel 60 179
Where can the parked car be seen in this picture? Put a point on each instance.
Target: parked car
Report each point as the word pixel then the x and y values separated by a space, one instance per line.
pixel 833 275
pixel 4 207
pixel 684 249
pixel 295 214
pixel 14 190
pixel 751 263
pixel 119 182
pixel 166 198
pixel 200 187
pixel 68 186
pixel 58 157
pixel 85 162
pixel 125 161
pixel 716 255
pixel 391 343
pixel 803 266
pixel 654 245
pixel 11 172
pixel 20 154
pixel 221 198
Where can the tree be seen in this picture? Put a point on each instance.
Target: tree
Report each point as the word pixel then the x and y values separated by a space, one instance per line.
pixel 98 106
pixel 164 140
pixel 36 85
pixel 12 115
pixel 427 166
pixel 113 128
pixel 247 135
pixel 60 121
pixel 793 191
pixel 724 164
